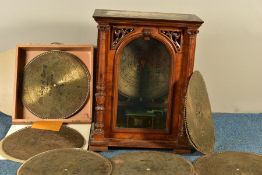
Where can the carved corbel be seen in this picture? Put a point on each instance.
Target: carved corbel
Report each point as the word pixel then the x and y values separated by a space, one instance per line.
pixel 118 33
pixel 174 36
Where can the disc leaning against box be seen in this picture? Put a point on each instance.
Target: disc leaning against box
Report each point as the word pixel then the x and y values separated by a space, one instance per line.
pixel 229 163
pixel 56 85
pixel 153 163
pixel 198 115
pixel 28 142
pixel 66 161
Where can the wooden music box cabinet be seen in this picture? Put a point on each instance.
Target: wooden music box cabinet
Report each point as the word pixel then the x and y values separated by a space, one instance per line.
pixel 144 62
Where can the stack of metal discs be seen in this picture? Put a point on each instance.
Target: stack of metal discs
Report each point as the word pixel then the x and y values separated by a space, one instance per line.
pixel 56 85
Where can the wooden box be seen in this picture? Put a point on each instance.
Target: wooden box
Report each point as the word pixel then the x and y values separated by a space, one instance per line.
pixel 24 54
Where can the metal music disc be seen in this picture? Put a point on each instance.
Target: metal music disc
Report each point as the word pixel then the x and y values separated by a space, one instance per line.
pixel 28 142
pixel 151 163
pixel 198 115
pixel 66 162
pixel 55 85
pixel 229 163
pixel 144 69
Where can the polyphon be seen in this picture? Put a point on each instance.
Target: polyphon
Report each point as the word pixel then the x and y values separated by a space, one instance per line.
pixel 144 63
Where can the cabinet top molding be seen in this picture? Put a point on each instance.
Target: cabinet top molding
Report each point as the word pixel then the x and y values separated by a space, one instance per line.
pixel 138 15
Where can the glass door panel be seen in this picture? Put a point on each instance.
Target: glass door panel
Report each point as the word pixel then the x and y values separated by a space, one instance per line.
pixel 143 85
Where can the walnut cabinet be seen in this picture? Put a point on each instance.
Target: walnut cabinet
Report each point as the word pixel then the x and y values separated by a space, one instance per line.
pixel 144 62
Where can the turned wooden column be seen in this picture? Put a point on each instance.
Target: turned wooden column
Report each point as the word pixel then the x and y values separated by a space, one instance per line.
pixel 97 136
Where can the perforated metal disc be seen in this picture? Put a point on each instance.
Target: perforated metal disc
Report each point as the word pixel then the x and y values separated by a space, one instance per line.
pixel 55 85
pixel 28 142
pixel 66 162
pixel 229 163
pixel 198 115
pixel 151 163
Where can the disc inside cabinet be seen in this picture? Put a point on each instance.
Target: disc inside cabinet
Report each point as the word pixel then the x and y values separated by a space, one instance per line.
pixel 54 83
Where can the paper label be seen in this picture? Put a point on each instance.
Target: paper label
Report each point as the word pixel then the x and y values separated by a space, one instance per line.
pixel 48 125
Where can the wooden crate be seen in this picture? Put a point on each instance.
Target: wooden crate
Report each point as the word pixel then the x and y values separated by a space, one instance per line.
pixel 24 54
